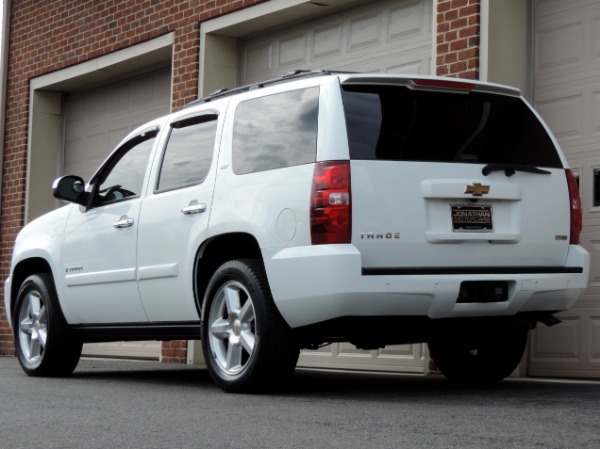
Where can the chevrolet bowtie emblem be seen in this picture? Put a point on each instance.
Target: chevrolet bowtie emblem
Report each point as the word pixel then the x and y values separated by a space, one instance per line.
pixel 476 189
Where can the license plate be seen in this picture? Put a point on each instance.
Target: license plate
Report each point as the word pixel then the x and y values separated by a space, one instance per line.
pixel 471 217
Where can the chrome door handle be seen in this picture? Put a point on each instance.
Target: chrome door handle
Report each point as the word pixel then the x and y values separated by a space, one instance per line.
pixel 193 209
pixel 123 223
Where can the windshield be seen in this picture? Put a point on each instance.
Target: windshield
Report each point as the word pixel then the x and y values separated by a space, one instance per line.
pixel 396 123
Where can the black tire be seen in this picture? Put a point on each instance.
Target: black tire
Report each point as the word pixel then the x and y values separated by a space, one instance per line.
pixel 247 345
pixel 490 357
pixel 42 341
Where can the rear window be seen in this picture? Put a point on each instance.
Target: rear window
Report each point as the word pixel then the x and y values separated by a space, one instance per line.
pixel 396 123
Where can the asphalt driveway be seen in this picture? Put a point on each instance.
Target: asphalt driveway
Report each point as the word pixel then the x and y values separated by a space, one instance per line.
pixel 124 404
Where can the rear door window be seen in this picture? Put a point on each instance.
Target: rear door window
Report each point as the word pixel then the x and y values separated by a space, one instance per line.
pixel 188 156
pixel 400 124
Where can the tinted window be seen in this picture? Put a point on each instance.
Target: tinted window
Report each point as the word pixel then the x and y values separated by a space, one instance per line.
pixel 396 123
pixel 276 131
pixel 189 152
pixel 124 175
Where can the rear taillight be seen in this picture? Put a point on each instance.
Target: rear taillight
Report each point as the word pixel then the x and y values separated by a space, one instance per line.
pixel 330 203
pixel 576 212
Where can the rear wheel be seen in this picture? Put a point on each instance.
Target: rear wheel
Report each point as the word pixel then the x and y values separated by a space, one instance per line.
pixel 43 344
pixel 489 357
pixel 247 344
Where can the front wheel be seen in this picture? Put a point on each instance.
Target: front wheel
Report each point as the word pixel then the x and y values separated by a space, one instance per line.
pixel 247 344
pixel 488 357
pixel 42 341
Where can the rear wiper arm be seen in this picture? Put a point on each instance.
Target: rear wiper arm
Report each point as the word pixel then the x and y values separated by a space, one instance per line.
pixel 510 169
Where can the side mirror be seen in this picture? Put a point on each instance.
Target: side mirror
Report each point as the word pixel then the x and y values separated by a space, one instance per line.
pixel 70 188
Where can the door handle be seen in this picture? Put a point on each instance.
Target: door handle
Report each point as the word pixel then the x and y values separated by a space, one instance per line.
pixel 193 209
pixel 123 223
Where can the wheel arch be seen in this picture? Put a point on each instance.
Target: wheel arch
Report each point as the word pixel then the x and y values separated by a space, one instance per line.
pixel 215 252
pixel 24 269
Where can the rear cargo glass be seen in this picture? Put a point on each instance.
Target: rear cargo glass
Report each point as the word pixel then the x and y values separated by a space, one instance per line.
pixel 276 131
pixel 396 123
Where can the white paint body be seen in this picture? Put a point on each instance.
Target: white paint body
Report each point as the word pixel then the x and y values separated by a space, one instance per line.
pixel 145 273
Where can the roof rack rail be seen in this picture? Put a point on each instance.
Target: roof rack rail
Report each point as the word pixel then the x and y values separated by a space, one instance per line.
pixel 293 75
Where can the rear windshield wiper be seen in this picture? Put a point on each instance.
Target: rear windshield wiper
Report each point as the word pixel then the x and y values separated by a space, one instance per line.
pixel 510 169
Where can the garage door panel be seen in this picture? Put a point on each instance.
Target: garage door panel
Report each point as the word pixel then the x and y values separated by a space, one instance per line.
pixel 365 31
pixel 292 51
pixel 407 21
pixel 560 44
pixel 75 113
pixel 590 240
pixel 560 343
pixel 95 105
pixel 258 60
pixel 420 64
pixel 567 41
pixel 349 350
pixel 560 47
pixel 120 99
pixel 406 69
pixel 149 350
pixel 564 115
pixel 404 358
pixel 412 354
pixel 595 113
pixel 571 348
pixel 116 131
pixel 572 110
pixel 595 331
pixel 328 42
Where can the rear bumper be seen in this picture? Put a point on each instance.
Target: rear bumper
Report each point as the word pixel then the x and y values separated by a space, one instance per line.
pixel 318 283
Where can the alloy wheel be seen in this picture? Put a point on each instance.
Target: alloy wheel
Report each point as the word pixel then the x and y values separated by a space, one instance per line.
pixel 232 327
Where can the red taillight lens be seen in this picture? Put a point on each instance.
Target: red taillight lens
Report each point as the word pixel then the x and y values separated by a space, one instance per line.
pixel 576 212
pixel 330 203
pixel 442 84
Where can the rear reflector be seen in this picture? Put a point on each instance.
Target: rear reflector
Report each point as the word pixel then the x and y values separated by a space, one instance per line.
pixel 330 208
pixel 575 205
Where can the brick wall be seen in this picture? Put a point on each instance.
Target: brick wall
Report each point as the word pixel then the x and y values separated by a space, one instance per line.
pixel 174 351
pixel 458 38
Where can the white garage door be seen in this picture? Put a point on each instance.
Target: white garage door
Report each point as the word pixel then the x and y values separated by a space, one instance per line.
pixel 567 94
pixel 95 121
pixel 384 36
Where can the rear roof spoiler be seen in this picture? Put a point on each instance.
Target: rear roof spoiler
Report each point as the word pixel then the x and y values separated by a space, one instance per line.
pixel 430 83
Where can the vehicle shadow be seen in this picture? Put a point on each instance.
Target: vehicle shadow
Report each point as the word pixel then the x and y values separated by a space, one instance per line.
pixel 142 371
pixel 322 385
pixel 409 387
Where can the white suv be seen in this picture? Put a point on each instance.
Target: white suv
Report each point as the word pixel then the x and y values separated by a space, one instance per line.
pixel 315 208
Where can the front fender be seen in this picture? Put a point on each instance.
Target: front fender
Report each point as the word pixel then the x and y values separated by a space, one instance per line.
pixel 37 247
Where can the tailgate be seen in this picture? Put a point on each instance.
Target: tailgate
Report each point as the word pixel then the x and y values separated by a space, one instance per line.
pixel 422 215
